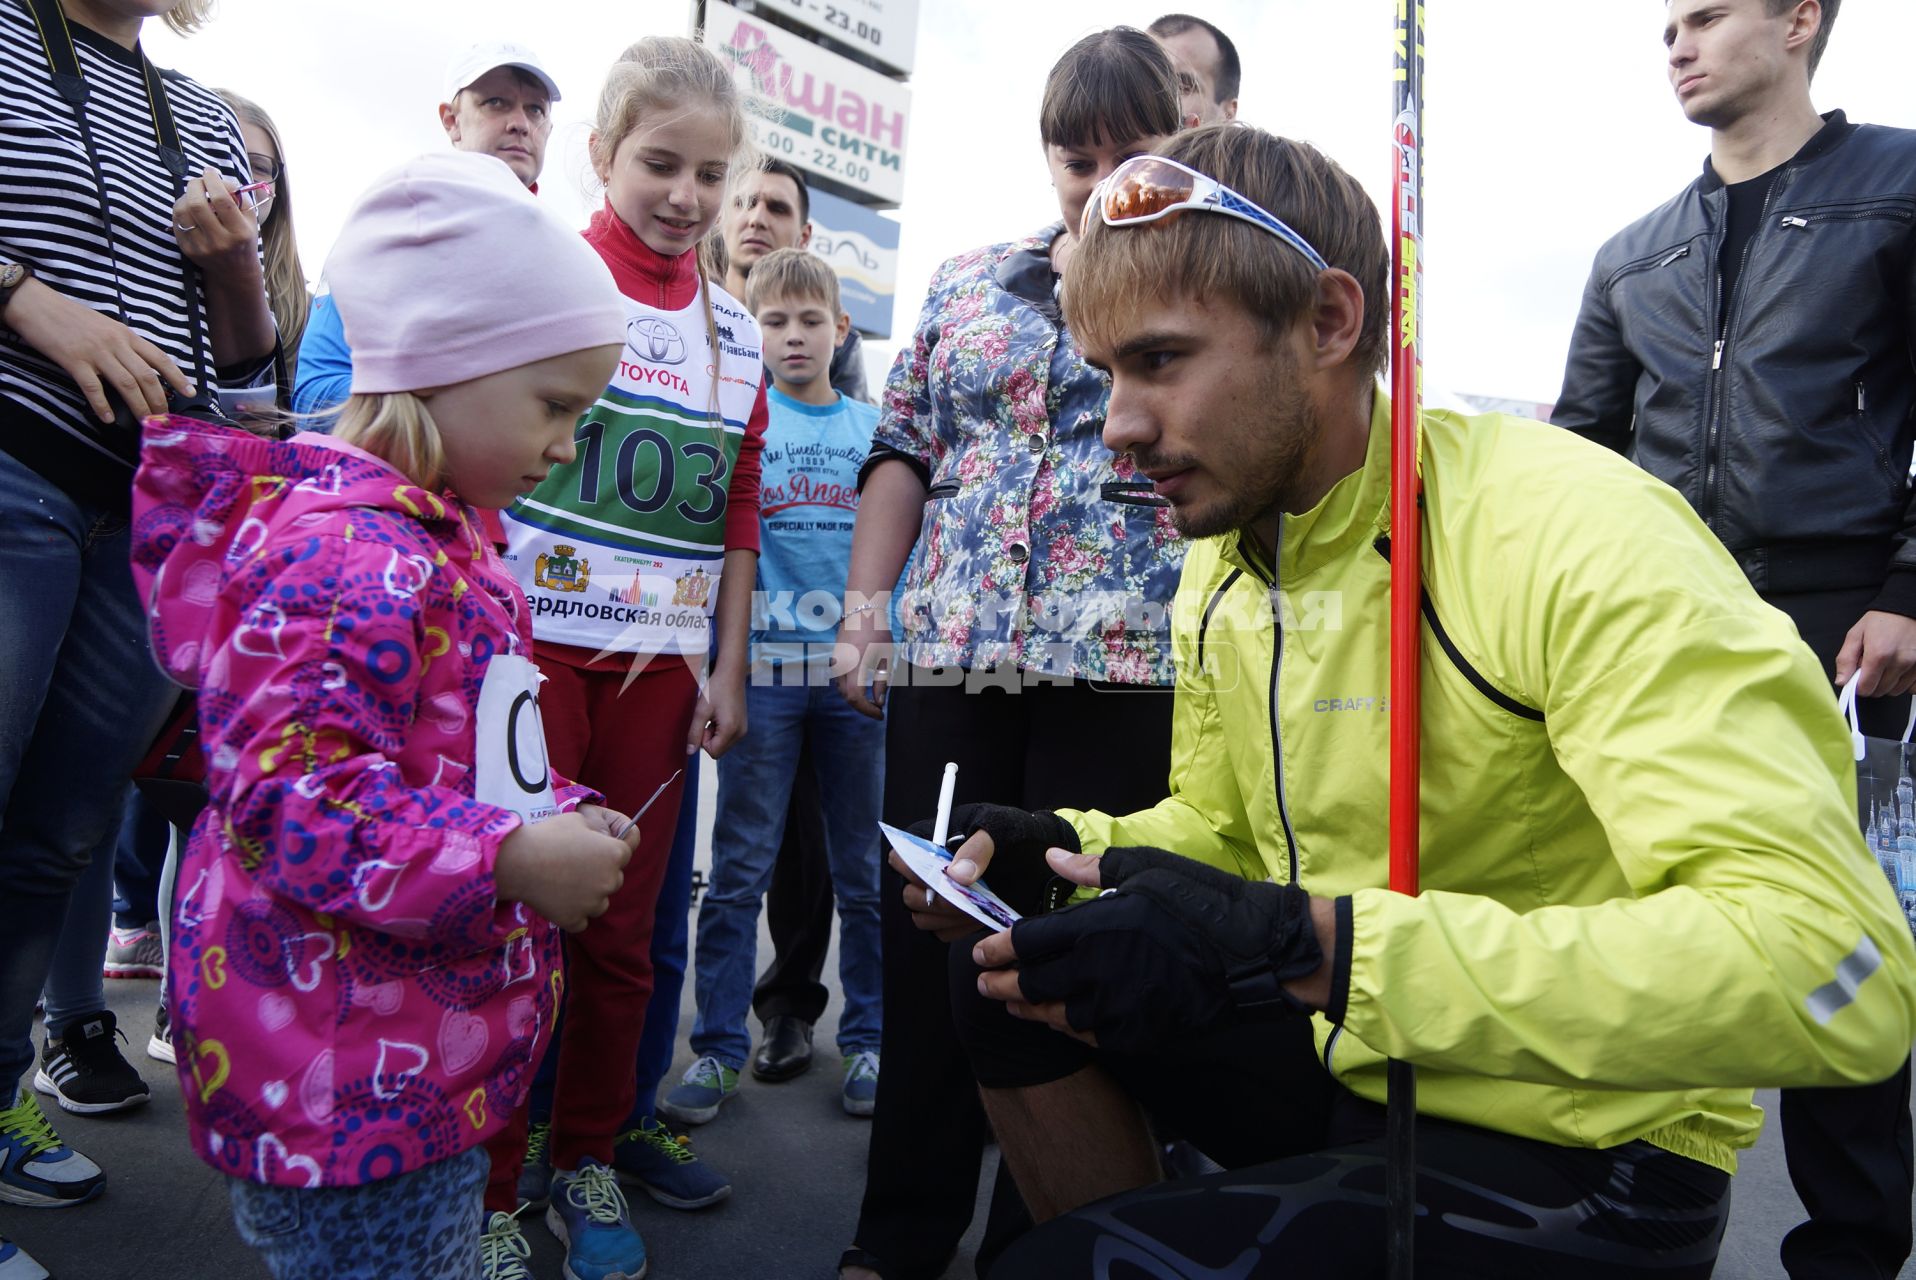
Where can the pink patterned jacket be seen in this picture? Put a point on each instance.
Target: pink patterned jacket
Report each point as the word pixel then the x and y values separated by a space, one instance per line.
pixel 350 1000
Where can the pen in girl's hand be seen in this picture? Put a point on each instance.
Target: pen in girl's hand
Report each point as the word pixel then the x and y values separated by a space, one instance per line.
pixel 633 821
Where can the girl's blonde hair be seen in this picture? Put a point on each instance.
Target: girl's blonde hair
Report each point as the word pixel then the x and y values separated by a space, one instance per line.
pixel 286 290
pixel 396 426
pixel 657 77
pixel 188 16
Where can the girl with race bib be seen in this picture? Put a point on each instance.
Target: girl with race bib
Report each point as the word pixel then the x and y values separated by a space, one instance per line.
pixel 363 974
pixel 632 555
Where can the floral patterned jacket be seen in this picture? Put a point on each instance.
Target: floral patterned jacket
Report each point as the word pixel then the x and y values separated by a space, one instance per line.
pixel 1023 558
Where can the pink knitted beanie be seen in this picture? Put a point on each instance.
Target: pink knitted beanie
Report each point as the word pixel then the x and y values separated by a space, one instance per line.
pixel 448 270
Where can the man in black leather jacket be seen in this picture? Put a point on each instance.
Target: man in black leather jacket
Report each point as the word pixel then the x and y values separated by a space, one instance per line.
pixel 1750 343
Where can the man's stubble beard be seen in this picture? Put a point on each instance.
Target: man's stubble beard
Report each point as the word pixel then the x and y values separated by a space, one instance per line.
pixel 1272 478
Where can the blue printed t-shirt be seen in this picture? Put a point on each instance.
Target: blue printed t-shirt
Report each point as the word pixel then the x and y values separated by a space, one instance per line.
pixel 808 500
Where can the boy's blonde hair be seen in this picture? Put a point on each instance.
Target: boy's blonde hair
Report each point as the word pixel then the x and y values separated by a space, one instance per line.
pixel 792 274
pixel 397 427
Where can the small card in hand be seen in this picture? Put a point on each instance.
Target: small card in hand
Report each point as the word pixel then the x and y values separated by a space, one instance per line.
pixel 930 863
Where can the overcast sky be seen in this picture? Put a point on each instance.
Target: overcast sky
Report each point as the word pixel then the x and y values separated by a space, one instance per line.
pixel 1549 125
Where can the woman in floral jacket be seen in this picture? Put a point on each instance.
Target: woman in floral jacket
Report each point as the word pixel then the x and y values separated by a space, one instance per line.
pixel 1035 639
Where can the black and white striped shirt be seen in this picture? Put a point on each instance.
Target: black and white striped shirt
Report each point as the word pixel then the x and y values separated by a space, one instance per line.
pixel 51 220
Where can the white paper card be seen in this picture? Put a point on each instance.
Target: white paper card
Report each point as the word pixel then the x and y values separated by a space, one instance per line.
pixel 928 862
pixel 512 771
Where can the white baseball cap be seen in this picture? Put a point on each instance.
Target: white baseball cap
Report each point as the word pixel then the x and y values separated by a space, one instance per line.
pixel 474 61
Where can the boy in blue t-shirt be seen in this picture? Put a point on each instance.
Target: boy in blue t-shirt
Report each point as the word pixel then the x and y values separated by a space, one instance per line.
pixel 815 442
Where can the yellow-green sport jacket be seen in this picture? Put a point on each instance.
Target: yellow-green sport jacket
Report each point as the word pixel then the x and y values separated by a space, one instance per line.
pixel 1645 890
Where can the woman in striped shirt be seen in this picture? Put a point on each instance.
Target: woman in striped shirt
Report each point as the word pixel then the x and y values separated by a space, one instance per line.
pixel 123 278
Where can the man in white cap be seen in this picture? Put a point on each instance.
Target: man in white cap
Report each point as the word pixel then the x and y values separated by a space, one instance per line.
pixel 498 102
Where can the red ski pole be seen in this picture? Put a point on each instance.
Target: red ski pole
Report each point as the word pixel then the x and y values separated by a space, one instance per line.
pixel 1406 586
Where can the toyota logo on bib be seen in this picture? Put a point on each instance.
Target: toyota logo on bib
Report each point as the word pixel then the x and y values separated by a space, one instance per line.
pixel 655 340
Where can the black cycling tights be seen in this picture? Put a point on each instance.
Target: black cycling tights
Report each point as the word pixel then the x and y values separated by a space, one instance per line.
pixel 1489 1206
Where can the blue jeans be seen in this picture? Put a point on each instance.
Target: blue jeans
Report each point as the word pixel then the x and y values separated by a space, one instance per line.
pixel 80 701
pixel 138 857
pixel 755 790
pixel 421 1224
pixel 76 982
pixel 670 932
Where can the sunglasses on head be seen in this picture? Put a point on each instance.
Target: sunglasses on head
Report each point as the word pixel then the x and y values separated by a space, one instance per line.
pixel 1150 188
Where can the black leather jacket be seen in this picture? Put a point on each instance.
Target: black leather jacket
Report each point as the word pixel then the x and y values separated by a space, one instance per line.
pixel 1791 430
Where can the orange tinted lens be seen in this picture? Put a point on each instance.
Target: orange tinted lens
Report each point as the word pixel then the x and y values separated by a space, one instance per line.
pixel 1145 187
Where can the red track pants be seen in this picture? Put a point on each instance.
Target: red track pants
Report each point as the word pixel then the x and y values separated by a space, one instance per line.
pixel 623 740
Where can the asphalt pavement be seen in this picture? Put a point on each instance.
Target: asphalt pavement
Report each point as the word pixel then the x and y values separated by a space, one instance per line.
pixel 796 1162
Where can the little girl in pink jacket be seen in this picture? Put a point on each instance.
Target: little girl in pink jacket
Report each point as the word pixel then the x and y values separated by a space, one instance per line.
pixel 363 974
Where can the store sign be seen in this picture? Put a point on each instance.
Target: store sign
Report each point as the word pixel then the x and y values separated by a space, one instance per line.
pixel 862 247
pixel 823 112
pixel 883 29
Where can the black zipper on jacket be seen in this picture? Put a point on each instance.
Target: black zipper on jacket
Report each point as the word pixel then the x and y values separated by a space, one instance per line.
pixel 1896 209
pixel 1478 680
pixel 1204 626
pixel 1277 737
pixel 1718 396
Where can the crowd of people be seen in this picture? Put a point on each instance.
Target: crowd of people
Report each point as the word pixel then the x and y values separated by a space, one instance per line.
pixel 361 644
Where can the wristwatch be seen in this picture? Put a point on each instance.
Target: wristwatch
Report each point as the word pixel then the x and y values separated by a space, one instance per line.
pixel 12 276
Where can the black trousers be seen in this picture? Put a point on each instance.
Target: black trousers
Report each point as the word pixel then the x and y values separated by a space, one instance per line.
pixel 1078 745
pixel 1849 1149
pixel 1490 1207
pixel 799 908
pixel 1303 1191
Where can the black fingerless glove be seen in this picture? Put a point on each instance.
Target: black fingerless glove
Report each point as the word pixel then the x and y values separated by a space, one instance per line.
pixel 1180 948
pixel 1017 872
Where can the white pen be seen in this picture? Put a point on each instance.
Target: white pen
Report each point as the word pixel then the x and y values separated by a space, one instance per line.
pixel 633 821
pixel 943 820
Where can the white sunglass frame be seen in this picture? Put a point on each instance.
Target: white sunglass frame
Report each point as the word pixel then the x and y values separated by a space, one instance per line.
pixel 1208 195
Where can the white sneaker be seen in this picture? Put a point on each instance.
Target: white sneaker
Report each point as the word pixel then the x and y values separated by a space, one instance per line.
pixel 134 953
pixel 860 1092
pixel 16 1265
pixel 159 1045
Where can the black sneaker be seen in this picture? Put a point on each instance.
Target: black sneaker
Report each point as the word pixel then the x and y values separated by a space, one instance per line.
pixel 85 1071
pixel 159 1045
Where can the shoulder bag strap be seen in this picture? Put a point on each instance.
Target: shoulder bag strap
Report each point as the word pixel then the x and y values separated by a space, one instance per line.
pixel 56 40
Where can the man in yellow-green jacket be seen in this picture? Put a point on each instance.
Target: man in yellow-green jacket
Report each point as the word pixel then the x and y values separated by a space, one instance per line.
pixel 1644 887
